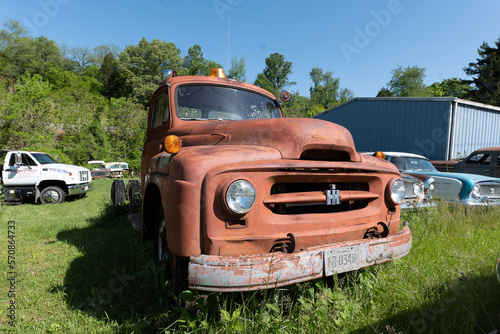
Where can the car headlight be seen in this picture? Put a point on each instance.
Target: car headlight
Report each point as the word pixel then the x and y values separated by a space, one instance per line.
pixel 476 192
pixel 240 196
pixel 396 191
pixel 417 189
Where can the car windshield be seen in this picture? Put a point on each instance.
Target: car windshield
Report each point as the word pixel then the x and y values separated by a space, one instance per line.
pixel 222 103
pixel 44 159
pixel 411 164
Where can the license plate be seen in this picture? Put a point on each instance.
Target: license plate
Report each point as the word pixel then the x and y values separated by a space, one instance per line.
pixel 340 260
pixel 86 188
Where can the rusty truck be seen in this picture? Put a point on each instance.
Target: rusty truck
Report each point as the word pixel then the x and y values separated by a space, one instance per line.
pixel 236 197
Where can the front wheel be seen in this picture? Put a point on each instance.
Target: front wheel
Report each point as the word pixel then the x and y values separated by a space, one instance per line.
pixel 178 265
pixel 52 195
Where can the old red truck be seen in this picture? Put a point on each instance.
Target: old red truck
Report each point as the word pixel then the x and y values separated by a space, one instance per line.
pixel 238 198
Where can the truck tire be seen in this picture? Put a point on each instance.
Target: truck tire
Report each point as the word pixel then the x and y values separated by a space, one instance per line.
pixel 178 265
pixel 134 194
pixel 118 193
pixel 52 195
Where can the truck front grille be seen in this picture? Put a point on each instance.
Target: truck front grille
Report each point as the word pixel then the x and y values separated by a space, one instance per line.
pixel 83 176
pixel 309 198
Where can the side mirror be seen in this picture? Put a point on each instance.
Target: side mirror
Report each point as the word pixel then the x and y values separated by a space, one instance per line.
pixel 18 159
pixel 285 96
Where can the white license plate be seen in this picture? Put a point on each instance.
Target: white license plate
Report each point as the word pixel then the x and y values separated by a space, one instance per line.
pixel 86 188
pixel 340 260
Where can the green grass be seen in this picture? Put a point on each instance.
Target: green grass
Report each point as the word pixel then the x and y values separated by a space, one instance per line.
pixel 81 268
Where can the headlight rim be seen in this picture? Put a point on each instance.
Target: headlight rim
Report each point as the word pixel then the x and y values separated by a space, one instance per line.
pixel 473 194
pixel 420 186
pixel 389 191
pixel 224 194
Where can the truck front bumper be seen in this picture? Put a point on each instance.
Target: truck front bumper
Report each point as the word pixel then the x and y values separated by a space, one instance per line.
pixel 246 273
pixel 79 189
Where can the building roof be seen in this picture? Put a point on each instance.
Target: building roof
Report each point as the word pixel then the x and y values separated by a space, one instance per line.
pixel 415 99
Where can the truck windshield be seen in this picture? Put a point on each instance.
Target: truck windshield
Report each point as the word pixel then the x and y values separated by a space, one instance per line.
pixel 43 158
pixel 223 103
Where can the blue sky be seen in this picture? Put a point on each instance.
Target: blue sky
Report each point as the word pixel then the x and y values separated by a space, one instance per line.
pixel 359 41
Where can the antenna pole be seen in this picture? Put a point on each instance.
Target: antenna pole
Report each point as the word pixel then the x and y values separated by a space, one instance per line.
pixel 228 33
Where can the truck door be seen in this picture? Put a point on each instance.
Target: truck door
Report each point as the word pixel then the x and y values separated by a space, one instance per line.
pixel 20 170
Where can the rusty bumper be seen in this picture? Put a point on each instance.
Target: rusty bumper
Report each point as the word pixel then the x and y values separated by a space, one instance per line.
pixel 246 273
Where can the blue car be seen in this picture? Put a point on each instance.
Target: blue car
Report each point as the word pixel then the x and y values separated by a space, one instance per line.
pixel 469 189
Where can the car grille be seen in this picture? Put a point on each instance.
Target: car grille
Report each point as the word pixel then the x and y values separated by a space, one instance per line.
pixel 83 176
pixel 310 198
pixel 409 194
pixel 490 190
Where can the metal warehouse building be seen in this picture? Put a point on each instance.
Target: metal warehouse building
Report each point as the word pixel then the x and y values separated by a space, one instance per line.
pixel 438 128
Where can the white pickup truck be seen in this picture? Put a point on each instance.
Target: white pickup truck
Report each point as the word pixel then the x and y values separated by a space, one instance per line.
pixel 38 176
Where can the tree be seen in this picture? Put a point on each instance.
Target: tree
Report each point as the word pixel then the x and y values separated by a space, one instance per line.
pixel 298 107
pixel 81 55
pixel 486 75
pixel 20 53
pixel 195 64
pixel 102 50
pixel 274 78
pixel 384 92
pixel 453 87
pixel 325 88
pixel 27 117
pixel 112 78
pixel 406 82
pixel 142 64
pixel 237 70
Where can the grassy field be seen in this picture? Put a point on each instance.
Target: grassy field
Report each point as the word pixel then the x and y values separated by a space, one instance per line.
pixel 81 268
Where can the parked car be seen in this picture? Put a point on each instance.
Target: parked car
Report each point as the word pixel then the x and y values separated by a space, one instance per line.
pixel 485 161
pixel 446 165
pixel 470 189
pixel 418 189
pixel 109 169
pixel 101 171
pixel 117 169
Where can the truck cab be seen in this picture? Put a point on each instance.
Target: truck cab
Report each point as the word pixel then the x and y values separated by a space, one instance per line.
pixel 238 198
pixel 38 176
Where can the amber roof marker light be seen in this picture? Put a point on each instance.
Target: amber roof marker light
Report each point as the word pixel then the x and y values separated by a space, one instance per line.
pixel 379 155
pixel 217 73
pixel 172 144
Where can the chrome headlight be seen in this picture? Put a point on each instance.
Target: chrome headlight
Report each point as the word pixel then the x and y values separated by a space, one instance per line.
pixel 396 191
pixel 240 196
pixel 476 192
pixel 417 189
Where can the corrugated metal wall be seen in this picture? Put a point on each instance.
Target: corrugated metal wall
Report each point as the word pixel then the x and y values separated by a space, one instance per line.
pixel 476 127
pixel 414 125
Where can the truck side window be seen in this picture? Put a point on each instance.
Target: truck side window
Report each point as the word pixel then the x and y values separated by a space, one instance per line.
pixel 479 159
pixel 160 111
pixel 28 161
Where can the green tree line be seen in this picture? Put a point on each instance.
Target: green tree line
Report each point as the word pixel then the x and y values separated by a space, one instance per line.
pixel 91 104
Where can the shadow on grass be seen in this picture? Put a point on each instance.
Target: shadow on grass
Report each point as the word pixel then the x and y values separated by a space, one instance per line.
pixel 468 305
pixel 114 278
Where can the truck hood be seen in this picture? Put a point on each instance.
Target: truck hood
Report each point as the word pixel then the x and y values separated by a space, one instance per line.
pixel 294 138
pixel 63 168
